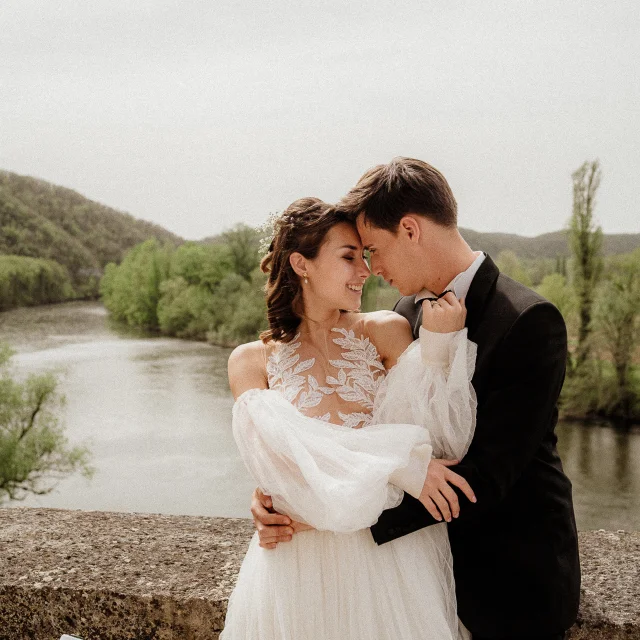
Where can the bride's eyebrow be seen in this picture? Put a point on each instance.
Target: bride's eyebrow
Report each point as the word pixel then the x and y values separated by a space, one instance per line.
pixel 349 246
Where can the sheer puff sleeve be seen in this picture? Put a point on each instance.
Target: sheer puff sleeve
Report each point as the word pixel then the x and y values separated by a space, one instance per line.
pixel 340 479
pixel 332 477
pixel 431 386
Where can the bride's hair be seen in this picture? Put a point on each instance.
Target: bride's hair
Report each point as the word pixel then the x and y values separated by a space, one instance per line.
pixel 301 228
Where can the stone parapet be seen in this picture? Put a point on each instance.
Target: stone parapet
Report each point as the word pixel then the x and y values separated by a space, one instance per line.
pixel 121 576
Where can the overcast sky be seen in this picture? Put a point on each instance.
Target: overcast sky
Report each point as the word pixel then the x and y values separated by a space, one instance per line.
pixel 200 114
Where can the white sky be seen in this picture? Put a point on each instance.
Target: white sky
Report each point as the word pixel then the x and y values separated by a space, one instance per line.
pixel 201 114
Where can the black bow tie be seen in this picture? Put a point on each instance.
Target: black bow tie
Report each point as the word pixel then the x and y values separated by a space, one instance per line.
pixel 444 293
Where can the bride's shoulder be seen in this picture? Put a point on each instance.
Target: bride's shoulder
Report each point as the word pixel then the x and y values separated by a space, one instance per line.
pixel 390 333
pixel 247 368
pixel 383 322
pixel 249 351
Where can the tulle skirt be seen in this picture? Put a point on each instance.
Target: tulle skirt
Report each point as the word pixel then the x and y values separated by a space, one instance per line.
pixel 342 586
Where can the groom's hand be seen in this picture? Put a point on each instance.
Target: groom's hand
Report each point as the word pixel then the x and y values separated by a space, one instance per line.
pixel 437 496
pixel 273 527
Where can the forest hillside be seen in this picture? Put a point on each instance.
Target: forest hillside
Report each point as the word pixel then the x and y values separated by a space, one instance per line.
pixel 42 220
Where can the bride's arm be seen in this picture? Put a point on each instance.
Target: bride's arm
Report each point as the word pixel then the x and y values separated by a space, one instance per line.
pixel 247 370
pixel 440 339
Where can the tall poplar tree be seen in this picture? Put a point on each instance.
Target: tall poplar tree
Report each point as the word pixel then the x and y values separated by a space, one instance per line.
pixel 585 241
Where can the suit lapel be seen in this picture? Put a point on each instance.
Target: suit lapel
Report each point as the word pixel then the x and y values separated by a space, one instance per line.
pixel 481 287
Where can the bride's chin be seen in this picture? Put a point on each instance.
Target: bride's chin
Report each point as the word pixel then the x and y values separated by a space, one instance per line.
pixel 352 303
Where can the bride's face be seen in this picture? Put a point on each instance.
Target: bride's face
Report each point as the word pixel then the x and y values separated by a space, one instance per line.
pixel 336 275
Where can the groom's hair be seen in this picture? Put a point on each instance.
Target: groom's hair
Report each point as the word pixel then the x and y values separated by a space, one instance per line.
pixel 388 192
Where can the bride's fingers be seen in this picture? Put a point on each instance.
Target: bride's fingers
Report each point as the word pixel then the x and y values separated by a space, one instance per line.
pixel 450 299
pixel 461 483
pixel 427 307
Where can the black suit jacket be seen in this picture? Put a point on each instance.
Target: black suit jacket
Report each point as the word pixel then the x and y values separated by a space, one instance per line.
pixel 515 552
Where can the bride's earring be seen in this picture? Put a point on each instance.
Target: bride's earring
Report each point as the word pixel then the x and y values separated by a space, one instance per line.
pixel 305 276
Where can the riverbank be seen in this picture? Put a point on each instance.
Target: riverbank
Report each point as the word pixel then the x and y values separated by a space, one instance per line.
pixel 121 576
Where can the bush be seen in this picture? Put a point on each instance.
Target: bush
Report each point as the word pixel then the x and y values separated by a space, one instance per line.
pixel 240 311
pixel 32 281
pixel 131 291
pixel 185 310
pixel 33 448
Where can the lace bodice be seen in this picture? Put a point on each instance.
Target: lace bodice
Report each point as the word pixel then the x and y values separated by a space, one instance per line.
pixel 338 387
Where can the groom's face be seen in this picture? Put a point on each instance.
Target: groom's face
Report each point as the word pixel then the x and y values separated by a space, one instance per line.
pixel 390 257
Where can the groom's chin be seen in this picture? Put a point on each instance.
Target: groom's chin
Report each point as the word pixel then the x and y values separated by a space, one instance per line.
pixel 403 291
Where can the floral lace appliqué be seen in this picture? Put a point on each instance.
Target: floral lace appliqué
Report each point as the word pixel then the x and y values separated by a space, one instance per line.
pixel 360 373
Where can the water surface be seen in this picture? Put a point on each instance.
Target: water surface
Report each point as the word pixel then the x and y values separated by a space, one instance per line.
pixel 156 413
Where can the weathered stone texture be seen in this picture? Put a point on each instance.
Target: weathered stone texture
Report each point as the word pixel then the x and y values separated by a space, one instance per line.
pixel 116 576
pixel 121 576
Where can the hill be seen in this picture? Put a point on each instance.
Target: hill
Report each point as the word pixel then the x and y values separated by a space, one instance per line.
pixel 547 245
pixel 41 220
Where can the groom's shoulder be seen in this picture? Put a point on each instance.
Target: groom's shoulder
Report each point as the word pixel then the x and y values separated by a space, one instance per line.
pixel 515 294
pixel 517 301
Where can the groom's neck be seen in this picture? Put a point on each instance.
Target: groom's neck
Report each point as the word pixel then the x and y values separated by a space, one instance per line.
pixel 450 255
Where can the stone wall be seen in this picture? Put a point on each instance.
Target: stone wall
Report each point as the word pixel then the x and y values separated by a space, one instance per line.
pixel 121 576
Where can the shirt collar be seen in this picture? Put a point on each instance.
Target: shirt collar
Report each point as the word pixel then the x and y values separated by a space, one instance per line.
pixel 460 284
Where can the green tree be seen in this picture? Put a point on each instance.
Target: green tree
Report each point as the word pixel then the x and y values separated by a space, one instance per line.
pixel 239 309
pixel 555 288
pixel 617 320
pixel 33 448
pixel 131 291
pixel 370 293
pixel 243 243
pixel 509 263
pixel 585 241
pixel 185 310
pixel 30 281
pixel 202 264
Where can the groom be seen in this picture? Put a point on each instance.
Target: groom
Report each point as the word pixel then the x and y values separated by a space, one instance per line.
pixel 515 549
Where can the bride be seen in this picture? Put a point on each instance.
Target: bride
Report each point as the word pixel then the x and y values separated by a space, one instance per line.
pixel 336 414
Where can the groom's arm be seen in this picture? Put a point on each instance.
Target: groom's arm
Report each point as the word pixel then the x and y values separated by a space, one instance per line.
pixel 526 376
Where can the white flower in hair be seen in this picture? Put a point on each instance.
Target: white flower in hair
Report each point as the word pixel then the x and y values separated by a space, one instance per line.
pixel 267 230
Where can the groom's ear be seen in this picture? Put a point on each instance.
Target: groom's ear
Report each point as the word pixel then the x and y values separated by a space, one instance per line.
pixel 298 262
pixel 410 226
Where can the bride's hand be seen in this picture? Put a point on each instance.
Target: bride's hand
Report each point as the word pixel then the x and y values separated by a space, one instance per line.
pixel 445 315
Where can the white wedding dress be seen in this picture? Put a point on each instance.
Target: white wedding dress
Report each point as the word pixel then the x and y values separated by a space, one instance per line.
pixel 301 442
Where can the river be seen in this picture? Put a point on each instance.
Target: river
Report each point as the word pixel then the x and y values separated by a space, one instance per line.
pixel 156 414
